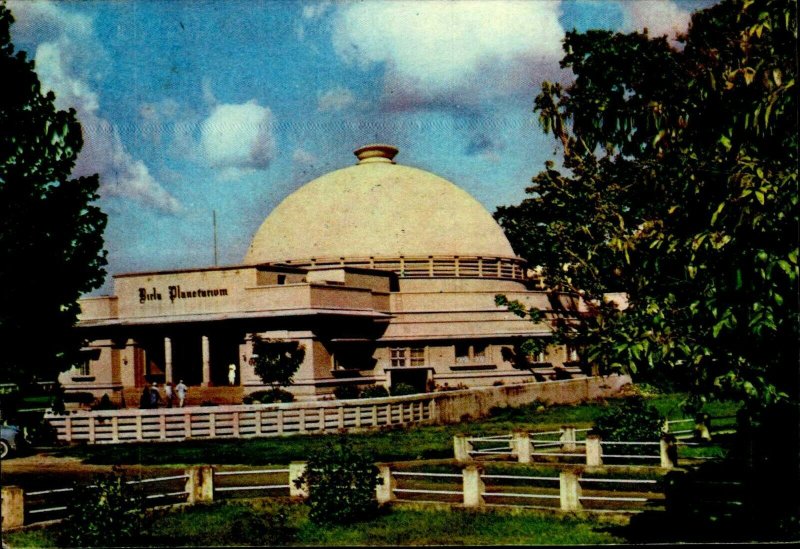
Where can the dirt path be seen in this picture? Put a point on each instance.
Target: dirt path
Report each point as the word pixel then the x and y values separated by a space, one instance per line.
pixel 47 470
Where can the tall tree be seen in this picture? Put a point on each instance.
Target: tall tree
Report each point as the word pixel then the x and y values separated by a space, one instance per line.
pixel 51 244
pixel 678 188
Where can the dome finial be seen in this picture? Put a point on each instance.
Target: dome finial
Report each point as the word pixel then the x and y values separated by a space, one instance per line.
pixel 376 152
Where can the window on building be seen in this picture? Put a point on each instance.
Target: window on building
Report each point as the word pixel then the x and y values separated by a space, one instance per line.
pixel 281 279
pixel 572 354
pixel 467 353
pixel 407 356
pixel 398 356
pixel 84 367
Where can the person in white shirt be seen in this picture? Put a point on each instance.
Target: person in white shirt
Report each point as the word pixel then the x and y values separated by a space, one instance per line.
pixel 181 389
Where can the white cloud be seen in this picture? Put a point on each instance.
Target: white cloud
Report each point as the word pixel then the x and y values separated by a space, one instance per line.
pixel 660 17
pixel 238 138
pixel 65 41
pixel 316 10
pixel 335 99
pixel 431 49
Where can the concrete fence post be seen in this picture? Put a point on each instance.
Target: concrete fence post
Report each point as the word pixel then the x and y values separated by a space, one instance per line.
pixel 200 484
pixel 462 448
pixel 568 438
pixel 669 451
pixel 13 507
pixel 473 486
pixel 384 492
pixel 702 428
pixel 521 446
pixel 569 491
pixel 296 470
pixel 594 451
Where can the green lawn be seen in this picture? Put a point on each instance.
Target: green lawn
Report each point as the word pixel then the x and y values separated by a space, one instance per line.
pixel 394 444
pixel 258 523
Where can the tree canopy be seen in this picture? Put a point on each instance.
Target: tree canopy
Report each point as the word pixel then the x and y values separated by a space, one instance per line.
pixel 51 243
pixel 678 188
pixel 276 361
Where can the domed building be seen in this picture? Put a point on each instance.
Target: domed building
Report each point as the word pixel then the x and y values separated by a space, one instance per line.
pixel 384 273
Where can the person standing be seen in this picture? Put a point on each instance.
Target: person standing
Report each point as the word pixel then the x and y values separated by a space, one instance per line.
pixel 168 394
pixel 155 396
pixel 232 374
pixel 181 389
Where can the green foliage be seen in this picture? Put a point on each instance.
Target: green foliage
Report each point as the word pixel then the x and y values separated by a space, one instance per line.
pixel 269 397
pixel 276 361
pixel 51 243
pixel 341 480
pixel 631 420
pixel 374 391
pixel 401 389
pixel 679 191
pixel 106 513
pixel 345 392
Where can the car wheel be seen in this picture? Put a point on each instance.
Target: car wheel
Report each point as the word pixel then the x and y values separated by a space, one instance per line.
pixel 5 449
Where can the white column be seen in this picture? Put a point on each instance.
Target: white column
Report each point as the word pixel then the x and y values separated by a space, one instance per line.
pixel 168 360
pixel 206 362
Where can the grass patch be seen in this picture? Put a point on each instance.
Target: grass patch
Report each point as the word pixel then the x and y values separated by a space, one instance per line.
pixel 389 444
pixel 255 523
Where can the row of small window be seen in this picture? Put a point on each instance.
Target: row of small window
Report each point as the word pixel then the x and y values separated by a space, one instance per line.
pixel 407 356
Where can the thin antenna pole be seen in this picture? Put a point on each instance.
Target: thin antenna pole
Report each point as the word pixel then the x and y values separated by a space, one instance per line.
pixel 214 213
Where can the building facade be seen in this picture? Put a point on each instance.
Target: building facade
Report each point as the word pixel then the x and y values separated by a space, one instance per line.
pixel 384 273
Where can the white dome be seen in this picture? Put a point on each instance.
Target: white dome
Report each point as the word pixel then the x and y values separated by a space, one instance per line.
pixel 377 209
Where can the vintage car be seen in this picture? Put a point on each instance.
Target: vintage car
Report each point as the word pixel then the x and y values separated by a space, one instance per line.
pixel 12 440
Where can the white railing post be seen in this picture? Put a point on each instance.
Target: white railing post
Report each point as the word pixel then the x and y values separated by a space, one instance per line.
pixel 569 491
pixel 13 507
pixel 701 428
pixel 668 451
pixel 258 423
pixel 594 451
pixel 92 434
pixel 200 484
pixel 68 428
pixel 473 486
pixel 296 470
pixel 568 438
pixel 384 491
pixel 521 446
pixel 115 429
pixel 462 448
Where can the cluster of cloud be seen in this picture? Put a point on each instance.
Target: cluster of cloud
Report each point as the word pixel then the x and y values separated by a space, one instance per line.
pixel 431 50
pixel 238 138
pixel 659 17
pixel 65 41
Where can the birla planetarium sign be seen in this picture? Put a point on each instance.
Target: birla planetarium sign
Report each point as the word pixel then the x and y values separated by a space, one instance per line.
pixel 175 292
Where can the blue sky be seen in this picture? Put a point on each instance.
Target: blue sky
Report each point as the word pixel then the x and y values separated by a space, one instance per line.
pixel 190 108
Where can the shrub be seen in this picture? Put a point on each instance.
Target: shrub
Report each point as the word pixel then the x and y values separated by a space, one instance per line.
pixel 403 389
pixel 106 514
pixel 344 392
pixel 374 391
pixel 104 404
pixel 341 482
pixel 269 397
pixel 630 420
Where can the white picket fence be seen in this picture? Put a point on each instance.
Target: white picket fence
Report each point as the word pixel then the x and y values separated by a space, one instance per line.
pixel 240 421
pixel 271 420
